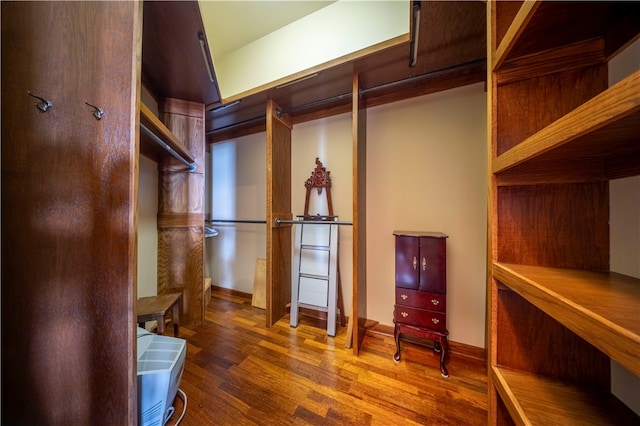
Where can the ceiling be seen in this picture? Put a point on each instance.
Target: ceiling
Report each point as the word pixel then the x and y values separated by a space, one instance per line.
pixel 451 52
pixel 233 24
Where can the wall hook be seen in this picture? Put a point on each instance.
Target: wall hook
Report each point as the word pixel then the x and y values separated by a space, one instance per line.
pixel 97 112
pixel 43 105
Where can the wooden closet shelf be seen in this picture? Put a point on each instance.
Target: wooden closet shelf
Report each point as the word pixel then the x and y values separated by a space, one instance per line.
pixel 533 399
pixel 151 149
pixel 603 130
pixel 601 307
pixel 538 27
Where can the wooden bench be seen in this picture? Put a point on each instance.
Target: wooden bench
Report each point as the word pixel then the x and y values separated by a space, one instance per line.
pixel 155 308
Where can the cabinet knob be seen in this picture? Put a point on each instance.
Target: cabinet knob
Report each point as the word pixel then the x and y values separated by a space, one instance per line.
pixel 404 314
pixel 436 302
pixel 424 263
pixel 415 263
pixel 435 320
pixel 404 296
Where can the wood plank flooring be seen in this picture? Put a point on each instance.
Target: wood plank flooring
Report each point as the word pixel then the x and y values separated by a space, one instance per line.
pixel 238 372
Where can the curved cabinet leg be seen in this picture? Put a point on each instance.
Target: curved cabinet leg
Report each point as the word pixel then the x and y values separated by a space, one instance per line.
pixel 443 353
pixel 396 336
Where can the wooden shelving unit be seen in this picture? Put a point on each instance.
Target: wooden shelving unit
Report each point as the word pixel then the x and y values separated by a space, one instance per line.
pixel 557 134
pixel 152 149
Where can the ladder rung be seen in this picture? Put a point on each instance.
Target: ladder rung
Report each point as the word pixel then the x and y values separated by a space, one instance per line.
pixel 313 247
pixel 318 277
pixel 314 307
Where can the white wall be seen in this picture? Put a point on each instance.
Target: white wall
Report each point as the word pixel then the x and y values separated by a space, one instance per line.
pixel 147 228
pixel 237 174
pixel 624 199
pixel 426 170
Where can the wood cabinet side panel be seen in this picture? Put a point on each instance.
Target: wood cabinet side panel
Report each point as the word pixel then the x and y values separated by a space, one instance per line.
pixel 68 212
pixel 279 244
pixel 532 341
pixel 527 106
pixel 564 225
pixel 181 269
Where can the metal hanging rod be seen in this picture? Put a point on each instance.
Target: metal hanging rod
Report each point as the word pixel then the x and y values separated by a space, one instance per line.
pixel 156 139
pixel 279 222
pixel 427 75
pixel 363 92
pixel 239 123
pixel 314 103
pixel 234 221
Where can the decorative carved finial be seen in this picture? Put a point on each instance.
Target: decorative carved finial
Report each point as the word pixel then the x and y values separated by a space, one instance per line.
pixel 319 178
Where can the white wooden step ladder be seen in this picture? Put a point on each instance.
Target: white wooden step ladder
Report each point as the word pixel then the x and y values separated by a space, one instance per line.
pixel 315 270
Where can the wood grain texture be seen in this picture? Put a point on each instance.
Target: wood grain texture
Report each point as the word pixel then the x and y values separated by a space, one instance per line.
pixel 238 372
pixel 525 12
pixel 545 401
pixel 68 212
pixel 181 268
pixel 172 62
pixel 601 307
pixel 548 28
pixel 604 127
pixel 564 225
pixel 525 109
pixel 181 200
pixel 359 138
pixel 531 341
pixel 557 135
pixel 149 147
pixel 279 243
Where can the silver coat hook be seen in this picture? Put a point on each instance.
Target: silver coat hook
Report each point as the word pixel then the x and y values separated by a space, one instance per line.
pixel 43 105
pixel 97 112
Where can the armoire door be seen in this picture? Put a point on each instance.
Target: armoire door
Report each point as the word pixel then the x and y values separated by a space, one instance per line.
pixel 68 211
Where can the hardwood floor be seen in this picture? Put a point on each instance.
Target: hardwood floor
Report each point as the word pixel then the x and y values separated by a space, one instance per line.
pixel 238 372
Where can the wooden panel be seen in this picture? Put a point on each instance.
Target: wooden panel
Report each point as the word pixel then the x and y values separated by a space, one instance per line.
pixel 359 135
pixel 548 348
pixel 539 400
pixel 181 269
pixel 601 307
pixel 186 121
pixel 520 119
pixel 259 298
pixel 181 204
pixel 603 128
pixel 565 226
pixel 68 212
pixel 512 28
pixel 278 284
pixel 149 147
pixel 505 12
pixel 407 254
pixel 547 29
pixel 180 192
pixel 172 61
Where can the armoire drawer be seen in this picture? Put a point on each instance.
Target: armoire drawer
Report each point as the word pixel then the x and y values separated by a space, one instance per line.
pixel 420 317
pixel 421 299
